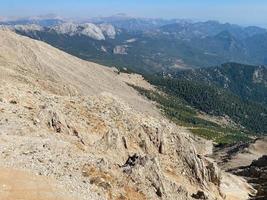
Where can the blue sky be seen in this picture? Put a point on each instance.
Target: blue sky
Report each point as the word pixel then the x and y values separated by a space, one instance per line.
pixel 251 12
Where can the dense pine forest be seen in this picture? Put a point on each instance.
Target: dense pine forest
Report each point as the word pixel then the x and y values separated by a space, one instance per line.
pixel 216 101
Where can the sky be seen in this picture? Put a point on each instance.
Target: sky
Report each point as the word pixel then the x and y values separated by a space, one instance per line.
pixel 244 12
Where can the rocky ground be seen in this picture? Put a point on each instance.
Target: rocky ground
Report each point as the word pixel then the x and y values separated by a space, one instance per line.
pixel 83 128
pixel 17 184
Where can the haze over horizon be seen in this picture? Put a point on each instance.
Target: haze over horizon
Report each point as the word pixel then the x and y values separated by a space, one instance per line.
pixel 223 11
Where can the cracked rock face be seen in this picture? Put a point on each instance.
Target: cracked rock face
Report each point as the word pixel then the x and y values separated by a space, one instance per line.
pixel 97 32
pixel 82 125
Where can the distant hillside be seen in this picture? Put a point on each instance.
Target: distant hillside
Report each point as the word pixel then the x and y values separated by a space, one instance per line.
pixel 248 82
pixel 189 29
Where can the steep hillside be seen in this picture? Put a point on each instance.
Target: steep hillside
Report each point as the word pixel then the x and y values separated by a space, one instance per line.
pixel 81 124
pixel 216 101
pixel 59 72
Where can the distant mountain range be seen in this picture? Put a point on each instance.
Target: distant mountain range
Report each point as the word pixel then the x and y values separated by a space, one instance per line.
pixel 150 45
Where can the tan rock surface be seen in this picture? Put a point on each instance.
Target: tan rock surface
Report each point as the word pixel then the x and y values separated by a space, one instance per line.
pixel 235 188
pixel 19 185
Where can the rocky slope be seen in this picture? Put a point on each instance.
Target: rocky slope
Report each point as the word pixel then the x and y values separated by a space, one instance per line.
pixel 256 173
pixel 248 160
pixel 83 127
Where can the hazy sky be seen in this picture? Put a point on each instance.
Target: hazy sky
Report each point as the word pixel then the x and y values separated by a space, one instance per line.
pixel 247 12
